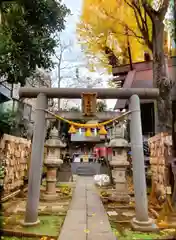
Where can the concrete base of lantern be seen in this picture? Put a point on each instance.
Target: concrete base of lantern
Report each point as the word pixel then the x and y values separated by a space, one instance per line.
pixel 30 224
pixel 121 190
pixel 120 197
pixel 148 226
pixel 49 196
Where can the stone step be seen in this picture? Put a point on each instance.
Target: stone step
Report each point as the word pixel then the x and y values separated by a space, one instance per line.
pixel 85 171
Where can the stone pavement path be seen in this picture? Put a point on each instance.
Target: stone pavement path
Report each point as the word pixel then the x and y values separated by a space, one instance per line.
pixel 86 218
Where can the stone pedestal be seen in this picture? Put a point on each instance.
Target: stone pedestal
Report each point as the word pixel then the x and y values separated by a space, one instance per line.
pixel 119 164
pixel 119 177
pixel 52 162
pixel 144 226
pixel 51 193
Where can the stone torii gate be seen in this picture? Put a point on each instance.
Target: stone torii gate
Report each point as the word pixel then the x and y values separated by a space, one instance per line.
pixel 134 95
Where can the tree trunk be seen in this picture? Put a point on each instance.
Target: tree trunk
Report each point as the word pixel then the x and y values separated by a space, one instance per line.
pixel 59 102
pixel 161 79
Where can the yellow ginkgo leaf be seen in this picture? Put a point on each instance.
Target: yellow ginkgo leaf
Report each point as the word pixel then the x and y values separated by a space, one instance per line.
pixel 86 231
pixel 114 34
pixel 43 238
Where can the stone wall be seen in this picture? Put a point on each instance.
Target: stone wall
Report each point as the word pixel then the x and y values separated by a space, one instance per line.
pixel 14 155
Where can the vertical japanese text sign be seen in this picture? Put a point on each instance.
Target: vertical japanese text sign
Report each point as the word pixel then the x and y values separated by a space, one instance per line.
pixel 89 103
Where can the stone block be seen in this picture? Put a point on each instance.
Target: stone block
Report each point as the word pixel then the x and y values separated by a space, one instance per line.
pixel 148 226
pixel 112 213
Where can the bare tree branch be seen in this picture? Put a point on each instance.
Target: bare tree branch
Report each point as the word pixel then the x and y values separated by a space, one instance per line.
pixel 149 10
pixel 141 21
pixel 39 78
pixel 160 13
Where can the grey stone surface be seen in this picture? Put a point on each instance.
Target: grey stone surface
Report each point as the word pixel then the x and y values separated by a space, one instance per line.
pixel 86 218
pixel 85 169
pixel 92 168
pixel 64 173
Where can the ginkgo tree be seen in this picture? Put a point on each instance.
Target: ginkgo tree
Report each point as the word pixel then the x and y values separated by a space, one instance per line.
pixel 102 33
pixel 115 24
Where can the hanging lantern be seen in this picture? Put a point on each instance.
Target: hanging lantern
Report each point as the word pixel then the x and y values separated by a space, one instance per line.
pixel 102 131
pixel 88 132
pixel 72 130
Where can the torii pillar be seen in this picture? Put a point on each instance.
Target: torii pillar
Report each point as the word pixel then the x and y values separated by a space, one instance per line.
pixel 141 222
pixel 35 172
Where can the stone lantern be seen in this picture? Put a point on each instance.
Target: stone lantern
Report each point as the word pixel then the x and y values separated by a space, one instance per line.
pixel 119 163
pixel 52 162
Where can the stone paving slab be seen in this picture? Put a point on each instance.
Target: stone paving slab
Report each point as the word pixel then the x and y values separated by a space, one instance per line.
pixel 72 234
pixel 55 207
pixel 99 236
pixel 86 218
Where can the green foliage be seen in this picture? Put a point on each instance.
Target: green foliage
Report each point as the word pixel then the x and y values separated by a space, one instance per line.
pixel 49 225
pixel 17 238
pixel 111 84
pixel 11 123
pixel 27 36
pixel 123 233
pixel 101 106
pixel 74 109
pixel 7 121
pixel 170 20
pixel 172 24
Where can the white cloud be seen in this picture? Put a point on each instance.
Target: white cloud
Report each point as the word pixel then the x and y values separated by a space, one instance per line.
pixel 75 56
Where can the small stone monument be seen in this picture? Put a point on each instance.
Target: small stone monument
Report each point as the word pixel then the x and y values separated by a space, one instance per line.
pixel 119 163
pixel 52 162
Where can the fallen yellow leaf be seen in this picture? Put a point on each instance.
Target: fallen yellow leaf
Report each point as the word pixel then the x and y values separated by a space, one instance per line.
pixel 162 224
pixel 86 231
pixel 43 238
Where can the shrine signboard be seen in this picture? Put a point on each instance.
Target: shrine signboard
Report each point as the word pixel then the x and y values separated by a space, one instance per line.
pixel 89 103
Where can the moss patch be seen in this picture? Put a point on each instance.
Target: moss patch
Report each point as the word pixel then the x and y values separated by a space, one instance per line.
pixel 49 225
pixel 123 232
pixel 18 238
pixel 64 191
pixel 26 238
